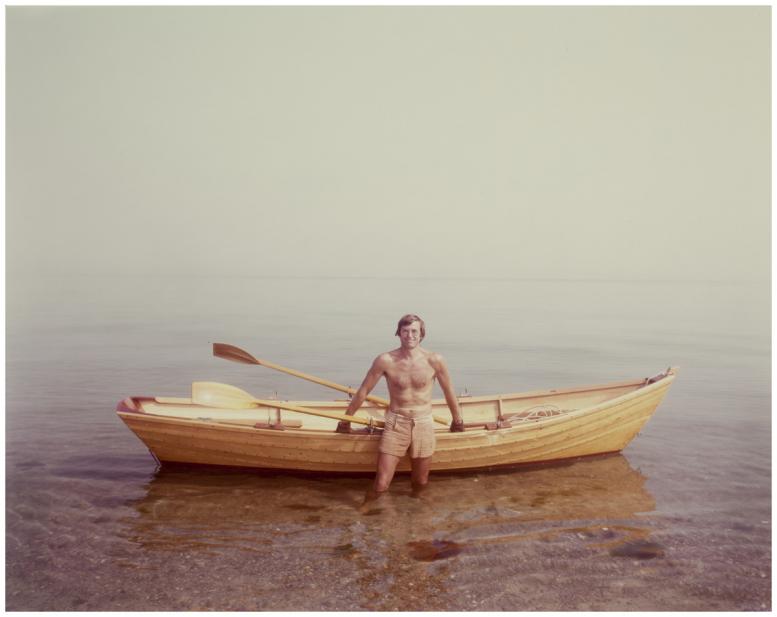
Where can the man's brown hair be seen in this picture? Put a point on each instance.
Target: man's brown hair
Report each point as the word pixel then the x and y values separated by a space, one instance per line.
pixel 406 320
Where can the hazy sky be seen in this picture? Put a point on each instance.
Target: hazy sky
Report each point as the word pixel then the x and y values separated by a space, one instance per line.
pixel 449 141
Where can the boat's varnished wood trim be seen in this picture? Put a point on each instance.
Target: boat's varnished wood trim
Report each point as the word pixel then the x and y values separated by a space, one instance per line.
pixel 133 404
pixel 607 426
pixel 506 398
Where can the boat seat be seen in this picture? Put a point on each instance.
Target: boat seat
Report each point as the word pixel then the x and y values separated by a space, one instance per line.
pixel 279 427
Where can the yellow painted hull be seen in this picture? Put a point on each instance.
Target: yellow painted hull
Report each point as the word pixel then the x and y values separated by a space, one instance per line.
pixel 541 426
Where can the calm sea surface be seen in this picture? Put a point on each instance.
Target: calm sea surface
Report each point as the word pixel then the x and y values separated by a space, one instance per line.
pixel 681 520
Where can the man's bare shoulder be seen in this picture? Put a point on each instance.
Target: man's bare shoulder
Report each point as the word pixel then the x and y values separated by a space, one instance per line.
pixel 436 359
pixel 384 360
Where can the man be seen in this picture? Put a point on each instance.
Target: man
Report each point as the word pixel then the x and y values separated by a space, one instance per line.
pixel 410 372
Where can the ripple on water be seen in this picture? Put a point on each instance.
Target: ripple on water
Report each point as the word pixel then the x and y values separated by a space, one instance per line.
pixel 25 465
pixel 345 550
pixel 302 507
pixel 99 467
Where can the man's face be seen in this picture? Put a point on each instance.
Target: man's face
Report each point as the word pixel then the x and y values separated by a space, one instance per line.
pixel 410 335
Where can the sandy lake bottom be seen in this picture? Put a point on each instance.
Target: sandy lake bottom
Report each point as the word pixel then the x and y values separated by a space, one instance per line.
pixel 571 537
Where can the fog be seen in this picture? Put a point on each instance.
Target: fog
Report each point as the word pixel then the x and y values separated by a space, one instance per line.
pixel 528 142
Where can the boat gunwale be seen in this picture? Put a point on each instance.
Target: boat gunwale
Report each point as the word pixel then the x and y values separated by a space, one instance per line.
pixel 547 393
pixel 535 424
pixel 463 400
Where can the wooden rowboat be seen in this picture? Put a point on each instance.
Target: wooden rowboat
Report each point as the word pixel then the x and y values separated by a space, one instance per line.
pixel 506 430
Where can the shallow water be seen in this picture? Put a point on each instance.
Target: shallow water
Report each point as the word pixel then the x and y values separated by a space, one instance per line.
pixel 681 520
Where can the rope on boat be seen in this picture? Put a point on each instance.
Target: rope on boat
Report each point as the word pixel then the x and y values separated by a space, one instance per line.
pixel 538 412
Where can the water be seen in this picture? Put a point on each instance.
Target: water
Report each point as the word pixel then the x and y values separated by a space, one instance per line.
pixel 680 521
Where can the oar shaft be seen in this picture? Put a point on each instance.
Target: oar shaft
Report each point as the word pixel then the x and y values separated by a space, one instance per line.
pixel 329 414
pixel 316 412
pixel 235 354
pixel 323 382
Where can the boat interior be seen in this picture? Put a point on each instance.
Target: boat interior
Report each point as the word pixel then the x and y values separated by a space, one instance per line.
pixel 486 412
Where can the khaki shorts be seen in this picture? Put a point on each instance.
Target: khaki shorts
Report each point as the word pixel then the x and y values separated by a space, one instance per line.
pixel 401 432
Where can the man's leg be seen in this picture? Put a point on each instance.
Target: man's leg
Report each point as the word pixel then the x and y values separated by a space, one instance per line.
pixel 387 465
pixel 420 473
pixel 421 450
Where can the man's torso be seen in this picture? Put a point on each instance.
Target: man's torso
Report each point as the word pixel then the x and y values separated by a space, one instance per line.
pixel 410 381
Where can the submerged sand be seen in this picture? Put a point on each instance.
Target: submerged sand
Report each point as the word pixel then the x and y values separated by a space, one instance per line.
pixel 584 536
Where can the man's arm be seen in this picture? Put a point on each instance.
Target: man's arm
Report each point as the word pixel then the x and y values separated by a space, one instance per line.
pixel 444 378
pixel 371 379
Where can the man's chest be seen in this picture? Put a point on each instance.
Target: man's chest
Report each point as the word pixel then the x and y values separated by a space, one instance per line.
pixel 415 375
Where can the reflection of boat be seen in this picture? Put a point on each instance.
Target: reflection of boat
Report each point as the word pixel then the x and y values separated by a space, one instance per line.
pixel 292 542
pixel 504 430
pixel 214 511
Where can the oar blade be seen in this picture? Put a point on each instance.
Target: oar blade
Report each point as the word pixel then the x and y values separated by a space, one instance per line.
pixel 235 354
pixel 214 394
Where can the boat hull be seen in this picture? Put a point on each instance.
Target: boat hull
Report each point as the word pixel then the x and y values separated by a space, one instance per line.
pixel 604 427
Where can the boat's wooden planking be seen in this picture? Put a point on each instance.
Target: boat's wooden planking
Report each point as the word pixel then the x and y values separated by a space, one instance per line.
pixel 604 426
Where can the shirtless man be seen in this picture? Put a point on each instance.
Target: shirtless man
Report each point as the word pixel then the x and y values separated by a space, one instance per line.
pixel 410 372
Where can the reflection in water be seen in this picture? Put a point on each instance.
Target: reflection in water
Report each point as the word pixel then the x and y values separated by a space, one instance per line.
pixel 402 544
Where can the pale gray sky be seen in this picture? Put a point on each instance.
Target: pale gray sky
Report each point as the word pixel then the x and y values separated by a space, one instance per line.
pixel 354 141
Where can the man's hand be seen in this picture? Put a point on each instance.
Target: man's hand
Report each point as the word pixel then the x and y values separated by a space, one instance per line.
pixel 457 426
pixel 343 427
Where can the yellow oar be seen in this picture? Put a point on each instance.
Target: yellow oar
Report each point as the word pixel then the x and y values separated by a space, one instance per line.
pixel 230 352
pixel 213 394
